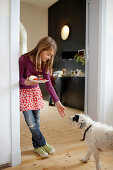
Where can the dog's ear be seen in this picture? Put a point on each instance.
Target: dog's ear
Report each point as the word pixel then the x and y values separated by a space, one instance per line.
pixel 76 118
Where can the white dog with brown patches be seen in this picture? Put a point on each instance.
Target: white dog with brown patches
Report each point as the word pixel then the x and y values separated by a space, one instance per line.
pixel 98 136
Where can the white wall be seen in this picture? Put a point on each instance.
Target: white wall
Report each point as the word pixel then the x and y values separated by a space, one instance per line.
pixel 100 79
pixel 5 131
pixel 109 63
pixel 9 91
pixel 23 39
pixel 35 21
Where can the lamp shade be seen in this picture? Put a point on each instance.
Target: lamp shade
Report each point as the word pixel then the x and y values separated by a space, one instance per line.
pixel 65 32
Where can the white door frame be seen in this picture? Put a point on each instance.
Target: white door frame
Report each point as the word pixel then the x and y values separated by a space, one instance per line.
pixel 96 112
pixel 86 58
pixel 101 62
pixel 14 82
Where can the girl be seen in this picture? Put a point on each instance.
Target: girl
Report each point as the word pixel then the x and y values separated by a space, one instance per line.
pixel 36 62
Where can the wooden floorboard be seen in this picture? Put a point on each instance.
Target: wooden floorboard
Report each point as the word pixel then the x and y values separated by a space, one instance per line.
pixel 61 134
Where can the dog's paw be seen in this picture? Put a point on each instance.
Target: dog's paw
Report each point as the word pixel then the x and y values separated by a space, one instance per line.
pixel 84 160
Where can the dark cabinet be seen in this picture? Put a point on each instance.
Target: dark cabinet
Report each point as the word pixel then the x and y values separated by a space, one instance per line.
pixel 71 91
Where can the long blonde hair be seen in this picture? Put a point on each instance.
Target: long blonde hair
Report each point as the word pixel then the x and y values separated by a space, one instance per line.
pixel 46 43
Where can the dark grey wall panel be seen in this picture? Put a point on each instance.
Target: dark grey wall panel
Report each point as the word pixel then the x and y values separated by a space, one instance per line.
pixel 72 13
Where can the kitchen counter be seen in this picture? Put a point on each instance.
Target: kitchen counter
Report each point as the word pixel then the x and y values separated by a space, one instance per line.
pixel 71 91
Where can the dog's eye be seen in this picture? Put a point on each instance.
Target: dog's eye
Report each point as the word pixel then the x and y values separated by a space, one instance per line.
pixel 75 118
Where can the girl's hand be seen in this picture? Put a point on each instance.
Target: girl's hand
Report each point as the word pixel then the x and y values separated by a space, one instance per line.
pixel 60 108
pixel 28 82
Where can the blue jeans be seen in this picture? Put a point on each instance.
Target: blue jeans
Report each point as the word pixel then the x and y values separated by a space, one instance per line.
pixel 32 118
pixel 50 99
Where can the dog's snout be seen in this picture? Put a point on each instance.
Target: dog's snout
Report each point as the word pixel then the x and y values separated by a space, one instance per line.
pixel 74 118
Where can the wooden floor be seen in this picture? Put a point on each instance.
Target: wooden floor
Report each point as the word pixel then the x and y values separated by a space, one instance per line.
pixel 60 133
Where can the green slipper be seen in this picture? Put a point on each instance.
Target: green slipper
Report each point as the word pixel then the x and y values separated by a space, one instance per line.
pixel 49 149
pixel 41 152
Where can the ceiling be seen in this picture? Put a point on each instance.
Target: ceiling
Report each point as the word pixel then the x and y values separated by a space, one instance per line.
pixel 40 3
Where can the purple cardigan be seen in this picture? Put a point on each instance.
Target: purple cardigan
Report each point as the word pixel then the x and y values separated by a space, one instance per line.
pixel 27 69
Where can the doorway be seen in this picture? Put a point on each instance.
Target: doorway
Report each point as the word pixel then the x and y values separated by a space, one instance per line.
pixel 33 35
